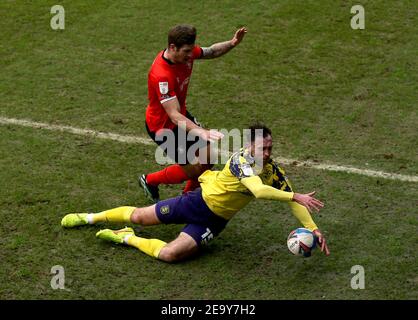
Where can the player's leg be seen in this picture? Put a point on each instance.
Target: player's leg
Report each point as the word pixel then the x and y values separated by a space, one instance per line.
pixel 184 246
pixel 152 247
pixel 173 174
pixel 143 216
pixel 183 170
pixel 192 237
pixel 204 158
pixel 191 185
pixel 146 216
pixel 174 210
pixel 181 248
pixel 190 208
pixel 193 171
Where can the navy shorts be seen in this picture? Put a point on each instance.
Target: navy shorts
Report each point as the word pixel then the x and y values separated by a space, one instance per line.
pixel 190 208
pixel 181 147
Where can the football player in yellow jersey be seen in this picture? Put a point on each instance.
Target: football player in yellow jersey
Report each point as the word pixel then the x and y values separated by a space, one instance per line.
pixel 207 210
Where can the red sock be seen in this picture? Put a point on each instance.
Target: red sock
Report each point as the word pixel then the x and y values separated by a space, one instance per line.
pixel 173 174
pixel 191 185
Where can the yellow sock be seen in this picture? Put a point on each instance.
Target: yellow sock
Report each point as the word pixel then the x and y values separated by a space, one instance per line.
pixel 151 247
pixel 120 214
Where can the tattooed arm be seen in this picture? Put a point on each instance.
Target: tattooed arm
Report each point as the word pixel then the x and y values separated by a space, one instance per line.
pixel 218 49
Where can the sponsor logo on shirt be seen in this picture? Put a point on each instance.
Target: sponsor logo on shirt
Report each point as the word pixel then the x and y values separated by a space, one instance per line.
pixel 184 83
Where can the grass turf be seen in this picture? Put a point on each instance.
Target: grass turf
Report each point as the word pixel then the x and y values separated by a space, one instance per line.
pixel 330 93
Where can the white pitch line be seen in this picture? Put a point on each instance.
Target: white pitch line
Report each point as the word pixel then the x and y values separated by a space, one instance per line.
pixel 147 141
pixel 347 169
pixel 77 131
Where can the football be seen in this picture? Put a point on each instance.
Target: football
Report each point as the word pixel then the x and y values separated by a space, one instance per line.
pixel 301 242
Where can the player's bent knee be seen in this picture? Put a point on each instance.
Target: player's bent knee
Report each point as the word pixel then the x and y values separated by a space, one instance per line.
pixel 174 252
pixel 167 254
pixel 145 216
pixel 136 216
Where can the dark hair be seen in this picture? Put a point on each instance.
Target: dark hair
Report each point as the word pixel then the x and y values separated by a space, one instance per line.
pixel 181 35
pixel 254 129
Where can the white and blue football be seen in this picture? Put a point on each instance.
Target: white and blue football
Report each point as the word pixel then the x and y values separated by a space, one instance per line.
pixel 301 242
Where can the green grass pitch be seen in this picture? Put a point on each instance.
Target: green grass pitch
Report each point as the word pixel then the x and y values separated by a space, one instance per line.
pixel 330 93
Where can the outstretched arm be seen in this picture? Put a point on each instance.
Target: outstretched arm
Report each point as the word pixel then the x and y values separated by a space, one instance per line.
pixel 302 214
pixel 301 205
pixel 172 108
pixel 218 49
pixel 262 191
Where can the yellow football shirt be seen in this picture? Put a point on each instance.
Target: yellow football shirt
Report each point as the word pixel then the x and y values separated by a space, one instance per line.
pixel 223 191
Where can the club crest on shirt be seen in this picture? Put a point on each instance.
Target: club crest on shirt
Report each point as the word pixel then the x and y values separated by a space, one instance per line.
pixel 165 209
pixel 163 87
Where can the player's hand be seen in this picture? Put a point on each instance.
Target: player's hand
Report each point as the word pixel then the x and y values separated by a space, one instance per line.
pixel 308 201
pixel 321 241
pixel 239 35
pixel 210 135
